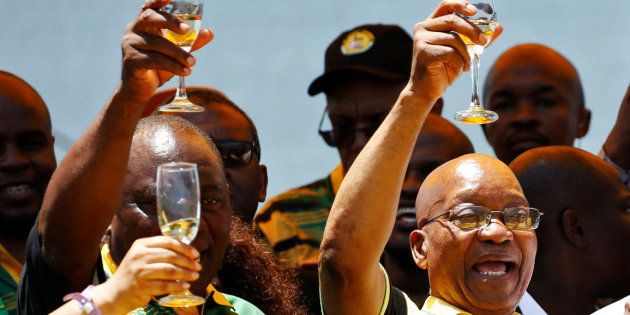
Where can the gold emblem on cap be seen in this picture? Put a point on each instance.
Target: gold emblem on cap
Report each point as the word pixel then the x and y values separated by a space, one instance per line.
pixel 357 42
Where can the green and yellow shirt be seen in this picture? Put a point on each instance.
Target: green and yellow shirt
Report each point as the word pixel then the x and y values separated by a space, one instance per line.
pixel 293 222
pixel 10 270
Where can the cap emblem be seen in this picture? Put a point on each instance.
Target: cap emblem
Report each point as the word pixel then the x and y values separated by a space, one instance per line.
pixel 357 42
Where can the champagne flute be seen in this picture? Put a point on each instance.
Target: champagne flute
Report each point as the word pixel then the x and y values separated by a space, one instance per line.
pixel 486 20
pixel 189 11
pixel 178 211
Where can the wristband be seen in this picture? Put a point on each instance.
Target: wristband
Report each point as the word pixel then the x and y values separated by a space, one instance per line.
pixel 85 301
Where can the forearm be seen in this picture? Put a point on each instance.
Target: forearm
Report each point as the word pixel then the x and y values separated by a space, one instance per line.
pixel 85 191
pixel 364 210
pixel 617 145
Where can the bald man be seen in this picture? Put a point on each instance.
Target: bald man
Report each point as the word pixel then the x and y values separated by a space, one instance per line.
pixel 475 263
pixel 583 248
pixel 538 95
pixel 27 160
pixel 439 141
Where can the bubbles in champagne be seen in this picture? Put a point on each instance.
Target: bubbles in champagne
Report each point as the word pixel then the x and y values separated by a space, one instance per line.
pixel 183 230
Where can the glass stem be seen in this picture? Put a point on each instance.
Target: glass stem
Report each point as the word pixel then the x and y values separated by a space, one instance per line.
pixel 475 104
pixel 181 90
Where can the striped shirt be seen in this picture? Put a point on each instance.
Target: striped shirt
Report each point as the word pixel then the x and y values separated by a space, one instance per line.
pixel 293 222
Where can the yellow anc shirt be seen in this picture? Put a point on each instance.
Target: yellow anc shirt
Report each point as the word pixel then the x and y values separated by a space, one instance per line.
pixel 10 270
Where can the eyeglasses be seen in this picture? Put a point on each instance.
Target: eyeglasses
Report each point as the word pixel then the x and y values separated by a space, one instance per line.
pixel 237 153
pixel 336 136
pixel 468 217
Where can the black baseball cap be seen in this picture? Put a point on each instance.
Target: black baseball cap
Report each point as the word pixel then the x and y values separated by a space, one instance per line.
pixel 380 50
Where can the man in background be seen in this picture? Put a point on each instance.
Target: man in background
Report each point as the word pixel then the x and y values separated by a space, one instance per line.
pixel 27 160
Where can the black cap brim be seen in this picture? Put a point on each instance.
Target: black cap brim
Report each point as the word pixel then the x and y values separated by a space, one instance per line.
pixel 320 84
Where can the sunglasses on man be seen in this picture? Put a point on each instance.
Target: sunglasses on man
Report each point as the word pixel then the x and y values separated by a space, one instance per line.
pixel 237 153
pixel 468 217
pixel 341 135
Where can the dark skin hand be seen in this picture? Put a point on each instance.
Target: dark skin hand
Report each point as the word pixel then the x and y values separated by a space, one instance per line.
pixel 617 145
pixel 79 204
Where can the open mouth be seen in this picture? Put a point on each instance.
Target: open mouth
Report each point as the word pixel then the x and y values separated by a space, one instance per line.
pixel 494 268
pixel 406 218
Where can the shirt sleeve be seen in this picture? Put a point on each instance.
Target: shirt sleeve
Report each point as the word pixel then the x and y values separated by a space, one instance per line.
pixel 625 174
pixel 394 301
pixel 41 289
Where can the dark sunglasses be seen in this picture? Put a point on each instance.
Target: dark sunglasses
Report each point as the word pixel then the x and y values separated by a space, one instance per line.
pixel 343 135
pixel 237 153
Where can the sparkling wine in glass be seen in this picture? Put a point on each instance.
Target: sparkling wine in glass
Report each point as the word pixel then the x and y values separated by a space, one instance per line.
pixel 486 20
pixel 178 211
pixel 190 12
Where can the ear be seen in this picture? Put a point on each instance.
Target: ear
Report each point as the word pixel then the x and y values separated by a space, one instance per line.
pixel 419 244
pixel 572 228
pixel 263 181
pixel 584 122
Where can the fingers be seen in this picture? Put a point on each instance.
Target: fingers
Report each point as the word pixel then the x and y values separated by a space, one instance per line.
pixel 454 6
pixel 205 36
pixel 151 20
pixel 172 244
pixel 154 4
pixel 157 255
pixel 149 42
pixel 454 23
pixel 166 271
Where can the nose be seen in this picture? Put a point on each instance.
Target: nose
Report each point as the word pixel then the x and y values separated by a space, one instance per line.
pixel 495 232
pixel 13 159
pixel 526 114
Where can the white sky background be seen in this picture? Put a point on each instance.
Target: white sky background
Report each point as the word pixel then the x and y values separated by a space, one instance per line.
pixel 266 53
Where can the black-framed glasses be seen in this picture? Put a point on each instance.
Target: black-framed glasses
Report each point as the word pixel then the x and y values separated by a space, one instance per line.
pixel 468 217
pixel 237 153
pixel 336 136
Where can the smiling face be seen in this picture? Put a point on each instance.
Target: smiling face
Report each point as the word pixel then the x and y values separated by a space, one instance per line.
pixel 137 216
pixel 485 270
pixel 27 159
pixel 538 96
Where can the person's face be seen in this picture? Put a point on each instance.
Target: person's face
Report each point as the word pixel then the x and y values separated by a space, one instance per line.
pixel 137 216
pixel 247 183
pixel 608 227
pixel 481 270
pixel 537 106
pixel 27 161
pixel 357 105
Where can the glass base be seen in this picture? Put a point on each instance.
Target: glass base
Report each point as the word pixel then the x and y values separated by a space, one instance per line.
pixel 476 116
pixel 181 105
pixel 181 299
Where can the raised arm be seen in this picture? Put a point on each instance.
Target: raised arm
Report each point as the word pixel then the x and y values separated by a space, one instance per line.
pixel 86 189
pixel 364 210
pixel 617 146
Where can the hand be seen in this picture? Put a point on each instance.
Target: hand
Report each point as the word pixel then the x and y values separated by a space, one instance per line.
pixel 153 266
pixel 439 54
pixel 149 59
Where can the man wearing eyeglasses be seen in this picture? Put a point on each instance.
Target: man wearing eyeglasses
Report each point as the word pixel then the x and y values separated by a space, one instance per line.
pixel 475 228
pixel 583 248
pixel 235 136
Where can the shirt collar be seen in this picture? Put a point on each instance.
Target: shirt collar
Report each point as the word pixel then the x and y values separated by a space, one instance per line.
pixel 435 305
pixel 109 266
pixel 336 176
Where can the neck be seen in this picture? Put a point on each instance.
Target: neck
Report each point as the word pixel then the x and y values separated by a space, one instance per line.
pixel 16 246
pixel 408 277
pixel 558 291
